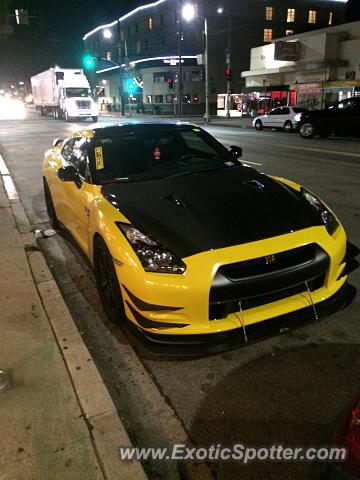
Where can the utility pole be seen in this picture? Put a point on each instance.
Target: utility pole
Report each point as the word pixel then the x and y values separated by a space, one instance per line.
pixel 228 68
pixel 207 117
pixel 180 34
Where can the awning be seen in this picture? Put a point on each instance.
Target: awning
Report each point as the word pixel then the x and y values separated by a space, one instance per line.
pixel 261 89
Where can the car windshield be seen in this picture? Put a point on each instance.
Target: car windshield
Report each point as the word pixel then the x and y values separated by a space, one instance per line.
pixel 77 92
pixel 147 155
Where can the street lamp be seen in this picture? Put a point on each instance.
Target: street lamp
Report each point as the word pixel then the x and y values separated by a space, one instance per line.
pixel 107 33
pixel 189 13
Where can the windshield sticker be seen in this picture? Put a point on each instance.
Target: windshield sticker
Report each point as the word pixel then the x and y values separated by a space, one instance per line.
pixel 157 153
pixel 230 164
pixel 99 158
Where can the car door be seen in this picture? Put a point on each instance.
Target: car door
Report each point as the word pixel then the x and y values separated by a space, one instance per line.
pixel 338 119
pixel 273 118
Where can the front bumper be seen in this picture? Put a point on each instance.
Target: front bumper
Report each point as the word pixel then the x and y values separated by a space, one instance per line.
pixel 172 306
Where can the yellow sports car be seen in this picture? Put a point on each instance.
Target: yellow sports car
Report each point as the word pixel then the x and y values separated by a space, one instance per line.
pixel 189 244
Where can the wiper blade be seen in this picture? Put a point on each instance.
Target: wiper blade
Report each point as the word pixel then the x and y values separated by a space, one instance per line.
pixel 116 180
pixel 195 172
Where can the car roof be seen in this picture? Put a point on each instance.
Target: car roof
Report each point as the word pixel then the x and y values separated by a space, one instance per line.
pixel 132 127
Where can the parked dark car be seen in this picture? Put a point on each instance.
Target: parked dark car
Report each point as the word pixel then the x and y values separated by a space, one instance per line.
pixel 342 119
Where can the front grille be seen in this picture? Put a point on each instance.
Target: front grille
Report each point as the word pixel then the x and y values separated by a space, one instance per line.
pixel 83 104
pixel 222 310
pixel 260 266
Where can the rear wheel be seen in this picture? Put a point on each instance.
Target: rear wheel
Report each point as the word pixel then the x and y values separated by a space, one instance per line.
pixel 307 130
pixel 288 126
pixel 107 282
pixel 258 125
pixel 50 206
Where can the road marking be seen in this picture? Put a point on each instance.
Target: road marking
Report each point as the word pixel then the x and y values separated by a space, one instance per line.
pixel 3 168
pixel 320 150
pixel 252 163
pixel 9 186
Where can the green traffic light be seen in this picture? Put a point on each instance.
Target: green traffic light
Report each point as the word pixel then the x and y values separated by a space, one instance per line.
pixel 88 61
pixel 130 85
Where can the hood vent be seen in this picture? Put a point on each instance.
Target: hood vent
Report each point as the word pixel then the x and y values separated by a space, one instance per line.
pixel 174 199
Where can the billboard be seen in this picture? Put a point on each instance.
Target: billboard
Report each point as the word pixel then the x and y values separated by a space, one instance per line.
pixel 287 51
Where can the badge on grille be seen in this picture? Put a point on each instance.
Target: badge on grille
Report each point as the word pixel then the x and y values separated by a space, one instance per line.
pixel 270 259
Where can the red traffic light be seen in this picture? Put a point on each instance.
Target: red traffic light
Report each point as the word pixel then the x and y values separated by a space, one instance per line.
pixel 170 82
pixel 228 73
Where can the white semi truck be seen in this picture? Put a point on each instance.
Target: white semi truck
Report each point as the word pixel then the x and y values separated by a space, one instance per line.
pixel 64 93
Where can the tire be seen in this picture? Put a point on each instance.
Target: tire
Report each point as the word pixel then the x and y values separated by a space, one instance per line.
pixel 56 114
pixel 258 125
pixel 107 282
pixel 66 117
pixel 50 206
pixel 95 119
pixel 307 130
pixel 288 126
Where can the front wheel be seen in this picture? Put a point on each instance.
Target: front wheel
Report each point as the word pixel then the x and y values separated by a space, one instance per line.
pixel 258 125
pixel 95 119
pixel 67 118
pixel 307 130
pixel 288 126
pixel 50 206
pixel 107 282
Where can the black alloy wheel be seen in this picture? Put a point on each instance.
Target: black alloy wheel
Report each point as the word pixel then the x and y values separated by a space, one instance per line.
pixel 107 282
pixel 50 206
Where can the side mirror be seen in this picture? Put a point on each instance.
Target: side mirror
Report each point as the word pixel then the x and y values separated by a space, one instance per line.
pixel 236 151
pixel 57 141
pixel 69 174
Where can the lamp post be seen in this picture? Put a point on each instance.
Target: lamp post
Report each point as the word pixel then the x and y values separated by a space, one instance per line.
pixel 189 13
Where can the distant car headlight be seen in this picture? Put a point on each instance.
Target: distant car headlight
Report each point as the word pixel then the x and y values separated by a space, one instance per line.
pixel 153 256
pixel 297 117
pixel 326 214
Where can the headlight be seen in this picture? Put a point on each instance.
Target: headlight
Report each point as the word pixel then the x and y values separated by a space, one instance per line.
pixel 297 117
pixel 153 256
pixel 326 214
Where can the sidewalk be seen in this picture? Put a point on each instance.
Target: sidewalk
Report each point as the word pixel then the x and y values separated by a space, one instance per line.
pixel 58 421
pixel 236 122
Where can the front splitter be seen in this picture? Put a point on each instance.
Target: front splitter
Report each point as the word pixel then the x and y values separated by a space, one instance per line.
pixel 213 343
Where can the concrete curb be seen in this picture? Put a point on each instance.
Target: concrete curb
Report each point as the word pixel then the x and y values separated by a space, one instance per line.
pixel 105 427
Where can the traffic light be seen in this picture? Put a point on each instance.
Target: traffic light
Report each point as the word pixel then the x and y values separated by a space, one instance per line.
pixel 88 62
pixel 228 73
pixel 130 86
pixel 170 82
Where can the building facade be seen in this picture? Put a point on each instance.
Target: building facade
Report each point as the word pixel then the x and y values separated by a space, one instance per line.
pixel 148 41
pixel 325 68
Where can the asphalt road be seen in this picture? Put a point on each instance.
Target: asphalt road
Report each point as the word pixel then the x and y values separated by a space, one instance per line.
pixel 289 389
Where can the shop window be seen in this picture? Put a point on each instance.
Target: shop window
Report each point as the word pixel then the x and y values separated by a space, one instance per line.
pixel 312 16
pixel 331 18
pixel 289 32
pixel 158 98
pixel 150 24
pixel 162 77
pixel 138 46
pixel 170 98
pixel 290 15
pixel 149 98
pixel 268 13
pixel 268 34
pixel 196 76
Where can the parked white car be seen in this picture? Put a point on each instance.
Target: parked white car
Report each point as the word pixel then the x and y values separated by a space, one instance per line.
pixel 282 118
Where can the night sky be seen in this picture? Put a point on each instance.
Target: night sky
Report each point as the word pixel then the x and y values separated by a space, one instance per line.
pixel 55 32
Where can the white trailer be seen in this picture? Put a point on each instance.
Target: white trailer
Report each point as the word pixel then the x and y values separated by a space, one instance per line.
pixel 64 93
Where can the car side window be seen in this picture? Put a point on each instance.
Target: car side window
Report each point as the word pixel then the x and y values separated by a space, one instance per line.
pixel 80 158
pixel 272 112
pixel 346 105
pixel 285 111
pixel 276 111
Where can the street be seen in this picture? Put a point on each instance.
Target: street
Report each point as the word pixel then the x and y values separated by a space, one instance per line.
pixel 290 389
